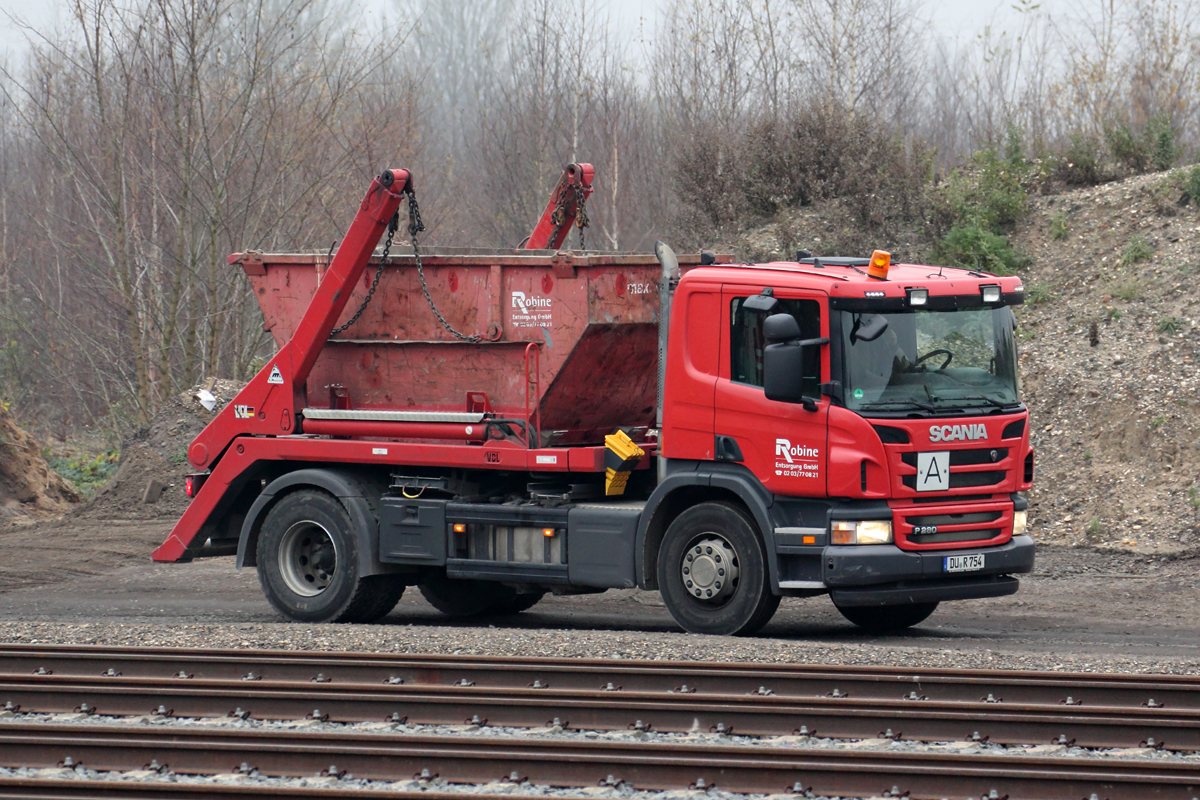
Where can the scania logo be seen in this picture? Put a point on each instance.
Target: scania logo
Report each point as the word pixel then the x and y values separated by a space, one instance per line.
pixel 957 433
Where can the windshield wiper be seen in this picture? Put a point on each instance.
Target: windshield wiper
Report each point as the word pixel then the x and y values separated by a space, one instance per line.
pixel 984 398
pixel 878 404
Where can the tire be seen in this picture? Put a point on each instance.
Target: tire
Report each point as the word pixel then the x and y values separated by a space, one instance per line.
pixel 385 591
pixel 718 546
pixel 520 602
pixel 308 561
pixel 466 598
pixel 885 619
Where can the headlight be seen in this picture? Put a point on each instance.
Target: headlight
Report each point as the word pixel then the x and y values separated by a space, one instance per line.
pixel 1020 520
pixel 874 531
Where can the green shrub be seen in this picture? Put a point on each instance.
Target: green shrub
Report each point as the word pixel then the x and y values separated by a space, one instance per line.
pixel 1080 163
pixel 86 474
pixel 1136 251
pixel 1191 185
pixel 1170 325
pixel 975 248
pixel 988 194
pixel 1164 151
pixel 1058 227
pixel 1127 290
pixel 1154 148
pixel 1037 293
pixel 1014 147
pixel 1128 150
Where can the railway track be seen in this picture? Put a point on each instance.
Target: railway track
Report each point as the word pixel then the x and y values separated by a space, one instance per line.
pixel 609 696
pixel 760 700
pixel 75 788
pixel 844 717
pixel 641 765
pixel 800 680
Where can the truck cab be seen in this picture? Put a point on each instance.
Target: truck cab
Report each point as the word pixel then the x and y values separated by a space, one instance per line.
pixel 877 420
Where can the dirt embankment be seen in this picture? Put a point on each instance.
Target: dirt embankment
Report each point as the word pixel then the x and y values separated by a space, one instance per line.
pixel 157 453
pixel 29 489
pixel 1110 354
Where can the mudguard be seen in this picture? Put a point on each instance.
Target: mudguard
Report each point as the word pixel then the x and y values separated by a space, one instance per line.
pixel 348 487
pixel 733 478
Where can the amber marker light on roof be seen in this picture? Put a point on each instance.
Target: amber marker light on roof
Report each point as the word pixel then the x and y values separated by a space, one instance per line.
pixel 460 528
pixel 881 262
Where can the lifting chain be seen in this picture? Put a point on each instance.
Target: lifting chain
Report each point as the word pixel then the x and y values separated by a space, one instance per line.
pixel 393 224
pixel 414 227
pixel 581 217
pixel 559 214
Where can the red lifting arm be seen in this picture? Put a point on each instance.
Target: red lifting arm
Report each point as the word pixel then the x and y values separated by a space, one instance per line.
pixel 269 402
pixel 566 201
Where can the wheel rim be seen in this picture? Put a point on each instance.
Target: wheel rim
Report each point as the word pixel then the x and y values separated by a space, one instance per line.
pixel 307 558
pixel 710 570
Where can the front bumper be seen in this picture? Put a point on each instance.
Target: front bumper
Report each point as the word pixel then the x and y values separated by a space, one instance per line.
pixel 870 575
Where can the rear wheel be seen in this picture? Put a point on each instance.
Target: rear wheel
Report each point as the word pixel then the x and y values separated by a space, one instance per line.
pixel 520 602
pixel 884 619
pixel 308 561
pixel 712 572
pixel 467 598
pixel 385 591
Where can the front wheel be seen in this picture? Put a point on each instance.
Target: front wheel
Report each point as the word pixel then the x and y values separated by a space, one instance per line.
pixel 885 619
pixel 308 563
pixel 712 572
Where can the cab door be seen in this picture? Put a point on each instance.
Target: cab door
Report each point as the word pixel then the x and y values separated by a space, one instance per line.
pixel 781 443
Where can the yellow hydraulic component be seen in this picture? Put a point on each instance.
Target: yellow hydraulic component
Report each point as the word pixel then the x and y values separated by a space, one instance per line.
pixel 620 457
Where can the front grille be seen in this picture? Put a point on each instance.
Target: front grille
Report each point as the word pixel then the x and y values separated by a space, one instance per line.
pixel 964 480
pixel 955 536
pixel 955 519
pixel 959 498
pixel 965 458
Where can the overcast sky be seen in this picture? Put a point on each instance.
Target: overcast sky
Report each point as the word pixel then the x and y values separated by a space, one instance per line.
pixel 950 17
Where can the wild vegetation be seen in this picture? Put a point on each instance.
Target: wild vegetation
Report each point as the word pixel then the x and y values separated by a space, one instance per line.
pixel 146 140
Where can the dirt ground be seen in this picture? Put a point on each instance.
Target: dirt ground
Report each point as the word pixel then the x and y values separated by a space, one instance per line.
pixel 1082 608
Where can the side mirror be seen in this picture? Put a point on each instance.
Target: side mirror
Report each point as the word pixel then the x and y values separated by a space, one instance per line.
pixel 783 368
pixel 868 328
pixel 764 303
pixel 781 328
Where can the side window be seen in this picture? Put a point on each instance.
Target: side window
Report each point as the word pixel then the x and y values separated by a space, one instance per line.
pixel 747 342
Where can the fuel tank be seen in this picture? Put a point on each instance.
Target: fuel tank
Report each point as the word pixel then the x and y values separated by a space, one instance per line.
pixel 592 318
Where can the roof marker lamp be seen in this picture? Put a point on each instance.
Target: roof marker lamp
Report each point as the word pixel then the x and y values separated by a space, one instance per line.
pixel 918 297
pixel 881 262
pixel 991 294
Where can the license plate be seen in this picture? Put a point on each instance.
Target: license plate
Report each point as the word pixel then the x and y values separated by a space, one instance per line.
pixel 967 563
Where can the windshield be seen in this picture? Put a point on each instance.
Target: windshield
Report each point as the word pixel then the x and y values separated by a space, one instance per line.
pixel 935 361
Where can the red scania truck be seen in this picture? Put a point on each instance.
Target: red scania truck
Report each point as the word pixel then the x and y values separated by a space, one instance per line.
pixel 490 426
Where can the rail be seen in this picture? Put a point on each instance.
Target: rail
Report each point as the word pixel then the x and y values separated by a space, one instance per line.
pixel 555 762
